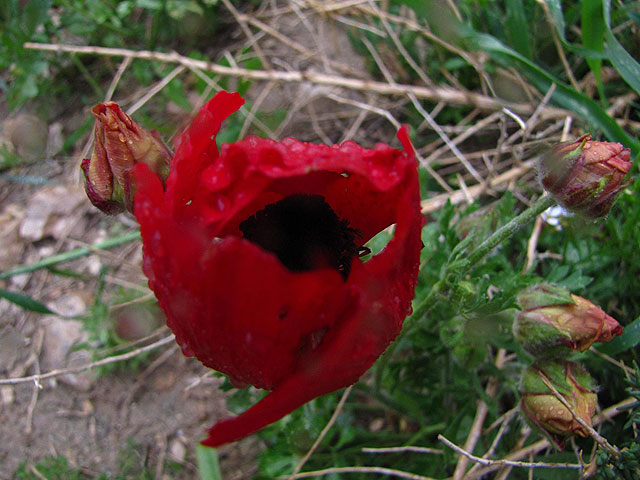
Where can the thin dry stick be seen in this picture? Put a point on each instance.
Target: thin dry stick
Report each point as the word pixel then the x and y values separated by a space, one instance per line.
pixel 429 119
pixel 407 448
pixel 595 435
pixel 116 78
pixel 435 203
pixel 467 133
pixel 505 463
pixel 377 470
pixel 445 94
pixel 88 366
pixel 627 370
pixel 501 431
pixel 323 7
pixel 544 444
pixel 365 106
pixel 532 244
pixel 432 123
pixel 558 44
pixel 251 113
pixel 36 387
pixel 242 21
pixel 355 126
pixel 412 25
pixel 481 413
pixel 324 432
pixel 212 84
pixel 403 51
pixel 153 91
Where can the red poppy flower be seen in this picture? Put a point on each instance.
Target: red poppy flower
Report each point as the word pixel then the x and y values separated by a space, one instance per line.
pixel 254 255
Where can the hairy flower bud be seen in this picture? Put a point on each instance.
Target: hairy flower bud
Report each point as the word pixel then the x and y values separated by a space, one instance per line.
pixel 552 320
pixel 120 143
pixel 545 411
pixel 584 176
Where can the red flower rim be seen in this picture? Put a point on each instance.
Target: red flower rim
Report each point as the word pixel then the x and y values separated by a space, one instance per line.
pixel 234 305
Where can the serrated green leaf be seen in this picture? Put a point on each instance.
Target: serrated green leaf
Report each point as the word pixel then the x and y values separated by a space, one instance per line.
pixel 25 302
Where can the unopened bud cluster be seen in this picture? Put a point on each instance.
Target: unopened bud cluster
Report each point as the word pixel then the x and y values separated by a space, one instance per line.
pixel 550 324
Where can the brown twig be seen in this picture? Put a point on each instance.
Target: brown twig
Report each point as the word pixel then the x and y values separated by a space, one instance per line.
pixel 445 94
pixel 595 435
pixel 544 444
pixel 481 413
pixel 324 432
pixel 377 470
pixel 406 448
pixel 88 366
pixel 505 463
pixel 435 203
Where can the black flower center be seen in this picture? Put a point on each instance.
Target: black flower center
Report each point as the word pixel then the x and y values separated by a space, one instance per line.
pixel 304 233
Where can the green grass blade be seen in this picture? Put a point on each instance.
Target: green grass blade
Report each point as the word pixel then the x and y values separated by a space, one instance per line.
pixel 73 254
pixel 557 17
pixel 518 28
pixel 555 8
pixel 624 63
pixel 25 302
pixel 208 464
pixel 592 28
pixel 564 96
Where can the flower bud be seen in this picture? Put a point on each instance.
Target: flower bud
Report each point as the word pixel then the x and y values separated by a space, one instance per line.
pixel 584 176
pixel 553 321
pixel 545 411
pixel 120 143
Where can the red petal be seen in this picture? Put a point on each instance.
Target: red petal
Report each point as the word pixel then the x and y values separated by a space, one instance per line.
pixel 196 147
pixel 236 307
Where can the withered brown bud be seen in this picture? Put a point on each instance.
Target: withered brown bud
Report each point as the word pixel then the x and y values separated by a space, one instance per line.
pixel 119 144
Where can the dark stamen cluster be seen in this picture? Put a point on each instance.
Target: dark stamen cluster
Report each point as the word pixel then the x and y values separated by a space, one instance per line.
pixel 304 233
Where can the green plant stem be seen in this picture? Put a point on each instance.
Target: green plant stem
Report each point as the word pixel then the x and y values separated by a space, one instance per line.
pixel 509 229
pixel 460 268
pixel 483 249
pixel 73 254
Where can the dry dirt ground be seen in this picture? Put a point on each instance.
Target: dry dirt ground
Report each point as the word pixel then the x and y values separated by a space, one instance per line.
pixel 149 416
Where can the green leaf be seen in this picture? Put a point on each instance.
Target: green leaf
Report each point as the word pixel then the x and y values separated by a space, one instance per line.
pixel 557 18
pixel 555 8
pixel 35 12
pixel 208 464
pixel 624 63
pixel 175 92
pixel 517 27
pixel 592 28
pixel 564 96
pixel 25 302
pixel 630 338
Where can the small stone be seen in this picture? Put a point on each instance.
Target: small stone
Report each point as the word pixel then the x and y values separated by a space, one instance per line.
pixel 177 450
pixel 376 425
pixel 60 336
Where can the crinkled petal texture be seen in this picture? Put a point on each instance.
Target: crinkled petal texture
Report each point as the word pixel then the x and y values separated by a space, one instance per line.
pixel 235 306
